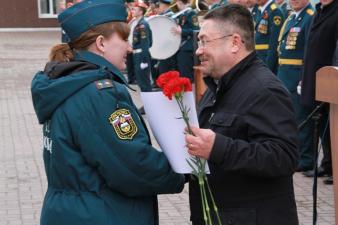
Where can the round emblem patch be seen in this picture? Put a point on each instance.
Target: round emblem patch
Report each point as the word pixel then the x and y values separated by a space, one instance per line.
pixel 277 20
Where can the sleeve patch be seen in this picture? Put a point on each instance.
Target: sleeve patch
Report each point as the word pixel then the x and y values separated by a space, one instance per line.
pixel 277 20
pixel 123 124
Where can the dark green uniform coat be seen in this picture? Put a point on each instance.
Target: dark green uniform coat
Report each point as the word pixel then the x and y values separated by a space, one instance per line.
pixel 100 165
pixel 267 28
pixel 255 12
pixel 185 55
pixel 292 42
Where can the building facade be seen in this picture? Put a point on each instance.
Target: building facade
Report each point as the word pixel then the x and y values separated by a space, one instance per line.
pixel 30 13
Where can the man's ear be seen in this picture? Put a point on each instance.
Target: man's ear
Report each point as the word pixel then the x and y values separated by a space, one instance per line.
pixel 100 45
pixel 236 43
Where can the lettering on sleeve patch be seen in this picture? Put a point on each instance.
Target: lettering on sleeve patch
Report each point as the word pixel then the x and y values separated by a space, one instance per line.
pixel 123 123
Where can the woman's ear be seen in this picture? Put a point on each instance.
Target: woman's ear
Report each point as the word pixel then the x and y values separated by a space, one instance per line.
pixel 100 45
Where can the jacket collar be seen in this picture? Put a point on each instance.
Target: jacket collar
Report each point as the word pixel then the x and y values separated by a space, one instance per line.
pixel 324 12
pixel 101 62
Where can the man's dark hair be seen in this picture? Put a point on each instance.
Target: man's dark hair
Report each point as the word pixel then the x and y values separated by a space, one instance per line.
pixel 237 16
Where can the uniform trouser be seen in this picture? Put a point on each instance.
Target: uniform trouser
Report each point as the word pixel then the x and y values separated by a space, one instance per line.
pixel 290 76
pixel 130 68
pixel 185 63
pixel 168 64
pixel 154 69
pixel 305 134
pixel 142 64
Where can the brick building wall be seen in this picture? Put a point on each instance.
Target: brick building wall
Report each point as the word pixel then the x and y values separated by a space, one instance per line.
pixel 23 14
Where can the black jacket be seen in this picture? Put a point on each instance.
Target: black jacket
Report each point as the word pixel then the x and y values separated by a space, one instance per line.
pixel 255 150
pixel 320 48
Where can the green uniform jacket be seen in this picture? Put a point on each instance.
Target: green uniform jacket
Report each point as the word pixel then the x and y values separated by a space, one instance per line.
pixel 292 42
pixel 267 28
pixel 188 22
pixel 255 12
pixel 100 165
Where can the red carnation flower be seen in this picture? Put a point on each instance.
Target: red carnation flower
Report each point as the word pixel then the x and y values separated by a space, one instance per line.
pixel 177 86
pixel 163 79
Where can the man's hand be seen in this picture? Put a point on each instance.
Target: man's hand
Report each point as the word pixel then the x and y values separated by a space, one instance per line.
pixel 176 30
pixel 201 144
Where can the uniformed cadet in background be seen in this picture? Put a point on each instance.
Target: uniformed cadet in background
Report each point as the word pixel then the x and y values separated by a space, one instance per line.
pixel 142 41
pixel 153 10
pixel 168 64
pixel 267 28
pixel 187 23
pixel 100 165
pixel 292 42
pixel 285 7
pixel 130 63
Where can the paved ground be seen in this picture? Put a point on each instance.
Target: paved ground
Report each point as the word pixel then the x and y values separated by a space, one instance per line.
pixel 22 178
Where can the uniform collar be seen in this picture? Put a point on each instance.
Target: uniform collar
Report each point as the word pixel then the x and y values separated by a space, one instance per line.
pixel 300 11
pixel 265 5
pixel 99 61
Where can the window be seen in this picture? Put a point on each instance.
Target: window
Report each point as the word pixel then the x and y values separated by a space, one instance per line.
pixel 50 8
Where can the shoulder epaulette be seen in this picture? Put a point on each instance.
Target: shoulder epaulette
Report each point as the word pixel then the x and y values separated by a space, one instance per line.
pixel 310 12
pixel 273 6
pixel 102 84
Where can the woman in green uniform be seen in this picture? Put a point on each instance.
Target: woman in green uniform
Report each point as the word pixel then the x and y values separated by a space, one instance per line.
pixel 99 162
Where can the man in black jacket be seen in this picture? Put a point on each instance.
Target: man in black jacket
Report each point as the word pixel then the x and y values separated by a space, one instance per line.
pixel 319 53
pixel 248 131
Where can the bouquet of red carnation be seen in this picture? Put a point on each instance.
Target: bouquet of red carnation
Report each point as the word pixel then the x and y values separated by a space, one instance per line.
pixel 175 86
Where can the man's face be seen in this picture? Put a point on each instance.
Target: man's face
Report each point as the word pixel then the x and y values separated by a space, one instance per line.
pixel 180 5
pixel 215 55
pixel 136 11
pixel 251 3
pixel 298 4
pixel 261 2
pixel 162 7
pixel 326 2
pixel 240 2
pixel 279 2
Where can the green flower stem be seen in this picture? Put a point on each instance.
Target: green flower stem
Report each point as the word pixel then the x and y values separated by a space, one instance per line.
pixel 207 208
pixel 212 200
pixel 201 184
pixel 199 171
